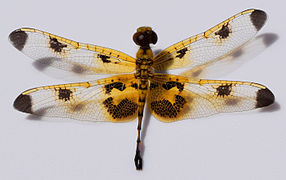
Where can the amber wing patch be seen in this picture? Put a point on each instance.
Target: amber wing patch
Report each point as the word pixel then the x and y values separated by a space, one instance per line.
pixel 102 100
pixel 200 98
pixel 166 109
pixel 167 99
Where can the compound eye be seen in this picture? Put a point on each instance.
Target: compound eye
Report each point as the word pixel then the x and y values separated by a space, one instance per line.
pixel 145 38
pixel 140 39
pixel 154 37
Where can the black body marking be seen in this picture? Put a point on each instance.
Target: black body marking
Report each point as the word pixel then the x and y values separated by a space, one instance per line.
pixel 23 103
pixel 223 32
pixel 165 108
pixel 64 94
pixel 224 90
pixel 124 109
pixel 170 84
pixel 56 45
pixel 145 48
pixel 258 19
pixel 143 87
pixel 118 85
pixel 264 97
pixel 104 58
pixel 18 39
pixel 182 53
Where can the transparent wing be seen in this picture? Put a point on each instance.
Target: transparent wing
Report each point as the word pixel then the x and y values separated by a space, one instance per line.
pixel 81 59
pixel 212 45
pixel 112 99
pixel 217 68
pixel 173 98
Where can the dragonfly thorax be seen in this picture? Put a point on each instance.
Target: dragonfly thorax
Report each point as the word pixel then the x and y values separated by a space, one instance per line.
pixel 144 69
pixel 144 57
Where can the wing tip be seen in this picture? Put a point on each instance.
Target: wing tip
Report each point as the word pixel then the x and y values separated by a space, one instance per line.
pixel 18 38
pixel 264 97
pixel 23 103
pixel 258 18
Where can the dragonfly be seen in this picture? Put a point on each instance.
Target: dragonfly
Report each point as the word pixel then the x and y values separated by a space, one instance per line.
pixel 135 82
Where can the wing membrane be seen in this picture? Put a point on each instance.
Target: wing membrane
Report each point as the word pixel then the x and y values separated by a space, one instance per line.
pixel 173 98
pixel 112 99
pixel 213 44
pixel 68 55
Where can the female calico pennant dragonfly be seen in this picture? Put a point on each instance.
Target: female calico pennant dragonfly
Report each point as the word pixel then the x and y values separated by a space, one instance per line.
pixel 122 98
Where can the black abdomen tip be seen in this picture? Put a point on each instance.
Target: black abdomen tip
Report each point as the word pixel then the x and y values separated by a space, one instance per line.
pixel 264 98
pixel 138 161
pixel 18 39
pixel 23 103
pixel 258 18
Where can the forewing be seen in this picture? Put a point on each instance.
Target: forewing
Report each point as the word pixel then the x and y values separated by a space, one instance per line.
pixel 82 59
pixel 217 68
pixel 112 99
pixel 173 98
pixel 213 44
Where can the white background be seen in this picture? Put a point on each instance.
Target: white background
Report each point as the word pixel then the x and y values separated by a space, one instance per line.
pixel 235 146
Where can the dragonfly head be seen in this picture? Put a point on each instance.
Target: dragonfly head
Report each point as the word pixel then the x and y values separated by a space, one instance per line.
pixel 145 36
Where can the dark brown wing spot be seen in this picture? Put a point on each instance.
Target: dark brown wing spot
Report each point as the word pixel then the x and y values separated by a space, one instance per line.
pixel 18 39
pixel 224 90
pixel 197 73
pixel 223 32
pixel 179 103
pixel 124 109
pixel 104 58
pixel 134 85
pixel 182 53
pixel 43 63
pixel 153 86
pixel 165 108
pixel 264 97
pixel 258 19
pixel 64 94
pixel 78 69
pixel 180 86
pixel 237 53
pixel 118 85
pixel 56 45
pixel 23 103
pixel 77 107
pixel 231 102
pixel 170 84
